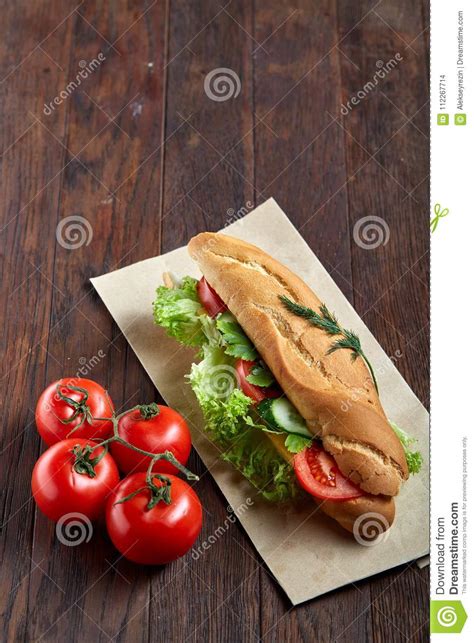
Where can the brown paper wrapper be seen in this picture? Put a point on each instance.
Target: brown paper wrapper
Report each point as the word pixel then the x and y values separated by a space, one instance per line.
pixel 307 552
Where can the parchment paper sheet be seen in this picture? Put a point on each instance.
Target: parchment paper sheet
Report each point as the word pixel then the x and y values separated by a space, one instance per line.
pixel 308 553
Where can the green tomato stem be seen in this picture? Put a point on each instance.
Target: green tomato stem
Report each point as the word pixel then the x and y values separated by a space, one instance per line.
pixel 85 464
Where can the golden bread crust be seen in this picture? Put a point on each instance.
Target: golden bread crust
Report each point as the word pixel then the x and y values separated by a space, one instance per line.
pixel 376 510
pixel 334 393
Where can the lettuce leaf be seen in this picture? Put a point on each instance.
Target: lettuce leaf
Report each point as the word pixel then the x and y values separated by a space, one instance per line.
pixel 179 312
pixel 296 443
pixel 238 344
pixel 260 375
pixel 254 457
pixel 226 409
pixel 414 458
pixel 228 420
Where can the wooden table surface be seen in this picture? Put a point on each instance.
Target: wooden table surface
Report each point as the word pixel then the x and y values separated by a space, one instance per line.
pixel 143 157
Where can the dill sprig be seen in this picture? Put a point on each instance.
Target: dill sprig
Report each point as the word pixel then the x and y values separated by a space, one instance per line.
pixel 327 321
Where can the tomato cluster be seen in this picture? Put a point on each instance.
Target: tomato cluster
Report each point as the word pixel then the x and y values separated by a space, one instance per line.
pixel 152 516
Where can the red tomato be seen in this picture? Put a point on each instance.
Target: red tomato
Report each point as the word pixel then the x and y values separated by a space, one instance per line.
pixel 59 489
pixel 51 409
pixel 210 299
pixel 153 536
pixel 318 474
pixel 166 431
pixel 256 393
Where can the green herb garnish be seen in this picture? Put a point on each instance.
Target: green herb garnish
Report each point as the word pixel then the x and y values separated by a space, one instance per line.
pixel 296 443
pixel 327 321
pixel 238 344
pixel 260 375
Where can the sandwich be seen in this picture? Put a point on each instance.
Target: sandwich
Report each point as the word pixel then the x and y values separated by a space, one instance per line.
pixel 286 392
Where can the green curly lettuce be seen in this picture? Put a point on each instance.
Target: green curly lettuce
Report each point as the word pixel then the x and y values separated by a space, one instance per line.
pixel 252 455
pixel 226 409
pixel 229 423
pixel 179 312
pixel 414 458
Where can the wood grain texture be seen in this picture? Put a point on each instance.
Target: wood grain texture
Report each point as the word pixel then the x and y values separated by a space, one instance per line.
pixel 148 158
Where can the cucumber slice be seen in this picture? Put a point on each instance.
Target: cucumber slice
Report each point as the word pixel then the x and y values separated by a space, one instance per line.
pixel 283 416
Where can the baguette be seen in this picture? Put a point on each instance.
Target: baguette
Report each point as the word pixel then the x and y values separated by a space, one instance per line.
pixel 347 512
pixel 334 393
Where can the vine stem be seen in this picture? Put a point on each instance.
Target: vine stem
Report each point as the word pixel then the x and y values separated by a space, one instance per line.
pixel 85 464
pixel 155 457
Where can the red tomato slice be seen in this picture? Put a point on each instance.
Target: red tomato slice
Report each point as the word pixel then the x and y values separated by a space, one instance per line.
pixel 210 299
pixel 257 393
pixel 318 474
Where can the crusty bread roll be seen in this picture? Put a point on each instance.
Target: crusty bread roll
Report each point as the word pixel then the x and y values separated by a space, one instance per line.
pixel 346 512
pixel 334 393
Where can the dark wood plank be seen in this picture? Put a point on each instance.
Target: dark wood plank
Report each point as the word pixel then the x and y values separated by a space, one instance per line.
pixel 394 304
pixel 386 138
pixel 84 592
pixel 277 137
pixel 29 164
pixel 300 160
pixel 208 176
pixel 299 150
pixel 400 605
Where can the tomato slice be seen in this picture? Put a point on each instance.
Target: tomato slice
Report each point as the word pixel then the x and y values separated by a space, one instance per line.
pixel 210 299
pixel 318 474
pixel 257 393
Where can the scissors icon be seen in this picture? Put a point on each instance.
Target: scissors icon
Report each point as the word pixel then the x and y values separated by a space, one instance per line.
pixel 439 214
